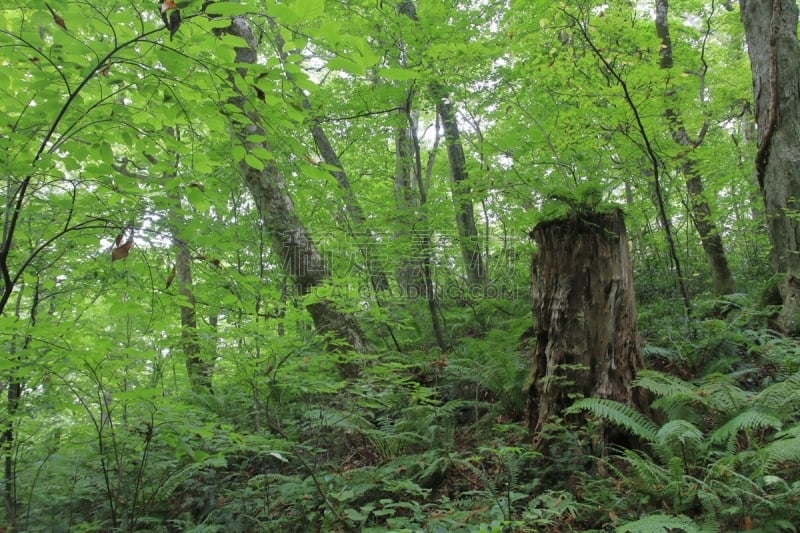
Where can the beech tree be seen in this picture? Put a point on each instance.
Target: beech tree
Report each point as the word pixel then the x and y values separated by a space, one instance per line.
pixel 701 211
pixel 295 245
pixel 771 30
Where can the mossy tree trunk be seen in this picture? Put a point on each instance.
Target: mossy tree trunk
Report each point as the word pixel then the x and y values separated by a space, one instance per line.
pixel 587 339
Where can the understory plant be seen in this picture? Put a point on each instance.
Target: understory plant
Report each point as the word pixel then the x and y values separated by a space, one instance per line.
pixel 715 455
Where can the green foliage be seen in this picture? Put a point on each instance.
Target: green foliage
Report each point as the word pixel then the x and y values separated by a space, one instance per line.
pixel 660 523
pixel 722 449
pixel 117 127
pixel 619 414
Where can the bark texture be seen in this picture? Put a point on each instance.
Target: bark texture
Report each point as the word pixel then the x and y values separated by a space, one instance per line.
pixel 289 239
pixel 771 34
pixel 587 339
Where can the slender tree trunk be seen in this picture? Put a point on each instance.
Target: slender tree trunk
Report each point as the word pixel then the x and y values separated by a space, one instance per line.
pixel 198 368
pixel 587 340
pixel 459 185
pixel 771 33
pixel 290 240
pixel 710 238
pixel 408 197
pixel 357 228
pixel 13 397
pixel 417 272
pixel 410 275
pixel 469 241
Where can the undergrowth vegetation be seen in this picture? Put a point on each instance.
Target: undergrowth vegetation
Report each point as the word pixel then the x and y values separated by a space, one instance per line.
pixel 435 446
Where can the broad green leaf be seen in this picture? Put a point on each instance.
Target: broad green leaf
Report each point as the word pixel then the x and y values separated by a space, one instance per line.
pixel 227 9
pixel 254 162
pixel 397 74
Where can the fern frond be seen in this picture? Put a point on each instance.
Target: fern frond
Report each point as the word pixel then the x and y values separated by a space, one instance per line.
pixel 710 501
pixel 678 399
pixel 782 450
pixel 745 421
pixel 681 406
pixel 679 438
pixel 619 414
pixel 722 395
pixel 648 474
pixel 446 411
pixel 660 523
pixel 651 351
pixel 664 384
pixel 175 480
pixel 782 398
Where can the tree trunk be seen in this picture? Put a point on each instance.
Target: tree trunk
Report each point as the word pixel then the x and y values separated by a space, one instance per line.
pixel 587 340
pixel 710 238
pixel 469 241
pixel 198 368
pixel 460 189
pixel 416 273
pixel 357 230
pixel 410 276
pixel 13 397
pixel 771 34
pixel 289 238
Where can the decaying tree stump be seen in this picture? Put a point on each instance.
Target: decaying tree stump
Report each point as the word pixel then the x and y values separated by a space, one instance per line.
pixel 587 339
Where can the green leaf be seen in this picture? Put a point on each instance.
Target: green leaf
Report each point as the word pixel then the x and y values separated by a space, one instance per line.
pixel 313 8
pixel 397 74
pixel 346 64
pixel 254 162
pixel 354 515
pixel 226 9
pixel 198 199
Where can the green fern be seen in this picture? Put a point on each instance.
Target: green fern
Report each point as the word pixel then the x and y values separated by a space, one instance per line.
pixel 782 398
pixel 175 480
pixel 646 475
pixel 784 449
pixel 721 395
pixel 619 414
pixel 679 438
pixel 660 523
pixel 675 397
pixel 747 421
pixel 664 385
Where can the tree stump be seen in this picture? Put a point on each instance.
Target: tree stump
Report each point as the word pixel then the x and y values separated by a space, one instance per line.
pixel 587 339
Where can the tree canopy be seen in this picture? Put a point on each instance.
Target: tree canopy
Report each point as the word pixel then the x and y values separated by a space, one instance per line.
pixel 266 264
